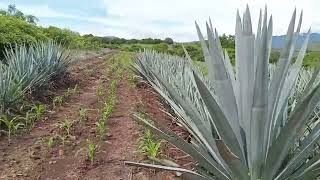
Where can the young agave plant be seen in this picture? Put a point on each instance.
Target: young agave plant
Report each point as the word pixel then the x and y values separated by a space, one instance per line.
pixel 245 125
pixel 27 68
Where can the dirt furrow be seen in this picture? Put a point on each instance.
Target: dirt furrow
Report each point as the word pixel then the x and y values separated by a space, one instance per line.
pixel 28 156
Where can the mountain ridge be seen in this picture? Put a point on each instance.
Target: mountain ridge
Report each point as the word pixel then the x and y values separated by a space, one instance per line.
pixel 314 41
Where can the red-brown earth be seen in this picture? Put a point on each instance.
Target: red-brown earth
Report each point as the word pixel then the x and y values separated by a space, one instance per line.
pixel 27 156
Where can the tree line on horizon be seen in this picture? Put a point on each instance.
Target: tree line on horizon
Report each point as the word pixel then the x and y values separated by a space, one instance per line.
pixel 19 28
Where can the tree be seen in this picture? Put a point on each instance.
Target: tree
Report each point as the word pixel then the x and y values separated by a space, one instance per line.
pixel 17 31
pixel 13 11
pixel 162 47
pixel 168 41
pixel 227 41
pixel 18 14
pixel 3 12
pixel 31 19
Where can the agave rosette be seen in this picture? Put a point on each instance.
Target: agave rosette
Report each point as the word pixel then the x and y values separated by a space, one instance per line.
pixel 29 68
pixel 254 121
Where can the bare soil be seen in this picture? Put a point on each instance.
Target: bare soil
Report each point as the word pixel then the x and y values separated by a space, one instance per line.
pixel 158 110
pixel 27 156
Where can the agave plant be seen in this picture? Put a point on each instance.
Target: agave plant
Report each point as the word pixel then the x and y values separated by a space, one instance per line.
pixel 11 91
pixel 28 68
pixel 52 57
pixel 247 122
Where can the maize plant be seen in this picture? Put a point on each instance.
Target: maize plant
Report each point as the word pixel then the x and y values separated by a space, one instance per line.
pixel 248 122
pixel 12 124
pixel 83 114
pixel 92 150
pixel 101 128
pixel 39 110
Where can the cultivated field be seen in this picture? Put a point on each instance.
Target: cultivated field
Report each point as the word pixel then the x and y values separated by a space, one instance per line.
pixel 223 108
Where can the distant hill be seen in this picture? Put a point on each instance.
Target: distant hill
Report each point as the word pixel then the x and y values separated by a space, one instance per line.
pixel 314 41
pixel 110 37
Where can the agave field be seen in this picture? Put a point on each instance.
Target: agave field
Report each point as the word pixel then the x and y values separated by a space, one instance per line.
pixel 110 114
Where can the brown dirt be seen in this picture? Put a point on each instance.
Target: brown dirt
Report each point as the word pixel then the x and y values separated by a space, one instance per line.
pixel 28 157
pixel 154 106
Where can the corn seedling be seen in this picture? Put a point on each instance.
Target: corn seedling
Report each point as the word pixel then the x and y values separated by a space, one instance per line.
pixel 92 149
pixel 68 93
pixel 71 91
pixel 62 139
pixel 142 114
pixel 112 98
pixel 107 110
pixel 83 114
pixel 58 101
pixel 134 80
pixel 29 118
pixel 113 68
pixel 76 89
pixel 66 125
pixel 50 142
pixel 246 121
pixel 39 110
pixel 12 124
pixel 101 127
pixel 119 74
pixel 113 86
pixel 100 90
pixel 149 145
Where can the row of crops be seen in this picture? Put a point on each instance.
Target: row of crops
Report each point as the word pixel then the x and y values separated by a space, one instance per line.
pixel 27 70
pixel 252 121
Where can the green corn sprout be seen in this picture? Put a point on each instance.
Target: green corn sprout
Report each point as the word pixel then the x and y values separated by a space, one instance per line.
pixel 100 90
pixel 75 89
pixel 142 114
pixel 50 142
pixel 39 110
pixel 66 125
pixel 101 127
pixel 12 124
pixel 68 93
pixel 30 118
pixel 92 149
pixel 35 113
pixel 119 74
pixel 107 110
pixel 112 98
pixel 113 86
pixel 149 145
pixel 83 113
pixel 72 91
pixel 134 80
pixel 58 101
pixel 62 138
pixel 248 122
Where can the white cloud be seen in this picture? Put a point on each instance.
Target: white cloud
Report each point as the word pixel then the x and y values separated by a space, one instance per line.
pixel 136 17
pixel 175 18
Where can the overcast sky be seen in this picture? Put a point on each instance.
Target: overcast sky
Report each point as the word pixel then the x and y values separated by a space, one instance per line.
pixel 161 18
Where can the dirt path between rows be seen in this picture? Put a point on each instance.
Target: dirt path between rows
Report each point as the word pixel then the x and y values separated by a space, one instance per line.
pixel 28 157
